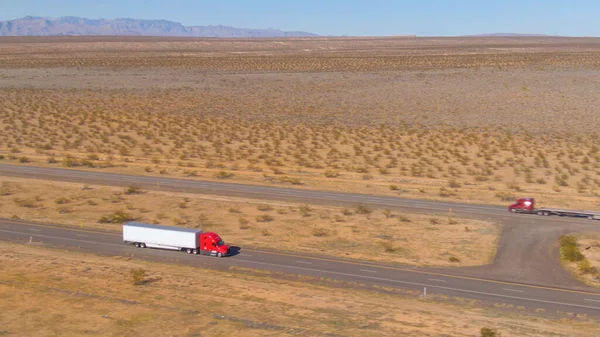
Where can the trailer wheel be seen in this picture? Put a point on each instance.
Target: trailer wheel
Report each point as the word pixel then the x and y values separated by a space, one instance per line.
pixel 137 244
pixel 591 217
pixel 142 245
pixel 540 213
pixel 189 251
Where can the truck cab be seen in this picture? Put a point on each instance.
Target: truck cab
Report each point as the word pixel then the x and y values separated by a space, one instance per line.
pixel 523 205
pixel 212 243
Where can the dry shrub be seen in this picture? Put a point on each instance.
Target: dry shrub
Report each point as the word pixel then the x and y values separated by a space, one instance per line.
pixel 305 210
pixel 138 276
pixel 585 267
pixel 569 250
pixel 265 208
pixel 363 209
pixel 388 246
pixel 320 232
pixel 489 332
pixel 264 218
pixel 5 189
pixel 28 203
pixel 505 196
pixel 61 201
pixel 244 223
pixel 224 175
pixel 403 218
pixel 117 217
pixel 388 213
pixel 133 189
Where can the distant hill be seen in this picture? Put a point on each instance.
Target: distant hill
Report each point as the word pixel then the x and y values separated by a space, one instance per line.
pixel 70 25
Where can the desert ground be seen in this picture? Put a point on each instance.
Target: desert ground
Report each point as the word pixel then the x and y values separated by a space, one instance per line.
pixel 471 119
pixel 478 120
pixel 86 294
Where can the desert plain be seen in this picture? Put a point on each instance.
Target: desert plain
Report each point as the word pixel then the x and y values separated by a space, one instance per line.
pixel 478 120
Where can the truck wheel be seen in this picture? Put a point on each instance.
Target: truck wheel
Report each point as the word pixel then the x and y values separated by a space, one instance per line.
pixel 219 254
pixel 591 217
pixel 196 252
pixel 540 213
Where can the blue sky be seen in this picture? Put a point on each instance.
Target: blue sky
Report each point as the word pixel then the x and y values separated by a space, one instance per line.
pixel 341 17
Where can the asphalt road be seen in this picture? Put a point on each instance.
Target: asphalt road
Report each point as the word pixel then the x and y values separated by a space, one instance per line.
pixel 436 282
pixel 246 191
pixel 526 269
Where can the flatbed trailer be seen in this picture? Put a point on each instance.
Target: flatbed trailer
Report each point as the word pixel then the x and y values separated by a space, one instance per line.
pixel 526 205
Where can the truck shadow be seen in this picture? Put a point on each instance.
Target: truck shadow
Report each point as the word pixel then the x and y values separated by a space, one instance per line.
pixel 234 250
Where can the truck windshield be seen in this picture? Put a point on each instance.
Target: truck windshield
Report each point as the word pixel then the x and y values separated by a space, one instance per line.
pixel 220 243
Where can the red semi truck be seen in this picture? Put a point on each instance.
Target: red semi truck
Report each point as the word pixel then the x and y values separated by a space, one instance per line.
pixel 189 240
pixel 527 205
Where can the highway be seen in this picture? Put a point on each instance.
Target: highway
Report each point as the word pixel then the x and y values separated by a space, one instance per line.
pixel 246 191
pixel 489 291
pixel 526 270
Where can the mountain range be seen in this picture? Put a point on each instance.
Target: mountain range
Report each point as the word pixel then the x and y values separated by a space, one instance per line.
pixel 70 25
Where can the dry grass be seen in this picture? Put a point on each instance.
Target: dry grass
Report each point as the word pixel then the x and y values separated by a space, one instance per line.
pixel 585 261
pixel 414 239
pixel 47 292
pixel 145 133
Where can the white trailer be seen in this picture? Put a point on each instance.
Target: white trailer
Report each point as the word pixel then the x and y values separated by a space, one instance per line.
pixel 165 237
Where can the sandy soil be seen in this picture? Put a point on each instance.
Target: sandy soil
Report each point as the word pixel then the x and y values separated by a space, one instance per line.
pixel 483 120
pixel 50 292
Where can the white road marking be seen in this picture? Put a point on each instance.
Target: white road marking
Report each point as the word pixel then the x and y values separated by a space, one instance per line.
pixel 368 271
pixel 35 230
pixel 304 262
pixel 515 290
pixel 248 255
pixel 585 299
pixel 437 280
pixel 82 235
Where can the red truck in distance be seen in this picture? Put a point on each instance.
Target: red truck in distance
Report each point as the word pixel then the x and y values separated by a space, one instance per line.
pixel 527 205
